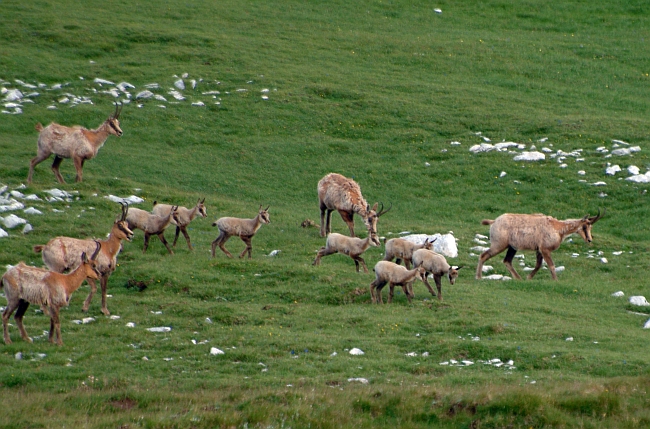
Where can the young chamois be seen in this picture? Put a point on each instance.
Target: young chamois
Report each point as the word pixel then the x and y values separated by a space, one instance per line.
pixel 394 275
pixel 75 142
pixel 152 224
pixel 351 246
pixel 61 254
pixel 403 249
pixel 242 228
pixel 336 192
pixel 436 265
pixel 26 285
pixel 537 232
pixel 185 216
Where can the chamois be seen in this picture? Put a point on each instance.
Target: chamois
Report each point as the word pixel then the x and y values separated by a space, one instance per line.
pixel 75 142
pixel 436 265
pixel 63 253
pixel 403 249
pixel 351 246
pixel 394 275
pixel 185 216
pixel 336 192
pixel 152 224
pixel 26 285
pixel 242 228
pixel 532 232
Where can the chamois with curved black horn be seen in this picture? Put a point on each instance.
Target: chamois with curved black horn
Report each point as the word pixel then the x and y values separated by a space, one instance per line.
pixel 537 232
pixel 74 142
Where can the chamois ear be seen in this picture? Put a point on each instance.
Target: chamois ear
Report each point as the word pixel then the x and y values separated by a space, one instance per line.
pixel 267 208
pixel 374 207
pixel 203 200
pixel 585 218
pixel 84 258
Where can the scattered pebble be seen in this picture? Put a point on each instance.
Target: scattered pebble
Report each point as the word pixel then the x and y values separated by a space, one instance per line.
pixel 215 351
pixel 356 352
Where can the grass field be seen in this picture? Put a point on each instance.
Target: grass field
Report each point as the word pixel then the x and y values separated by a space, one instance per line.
pixel 374 90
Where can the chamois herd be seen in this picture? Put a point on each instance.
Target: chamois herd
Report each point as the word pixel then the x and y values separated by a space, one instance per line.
pixel 68 264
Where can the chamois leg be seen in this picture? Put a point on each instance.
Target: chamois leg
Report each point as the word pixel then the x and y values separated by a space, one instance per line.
pixel 358 259
pixel 347 218
pixel 79 166
pixel 484 257
pixel 407 262
pixel 323 227
pixel 391 288
pixel 324 251
pixel 222 246
pixel 428 285
pixel 93 289
pixel 376 286
pixel 55 325
pixel 398 261
pixel 248 248
pixel 103 281
pixel 551 265
pixel 508 261
pixel 40 157
pixel 22 308
pixel 55 168
pixel 161 235
pixel 178 231
pixel 11 307
pixel 538 265
pixel 146 241
pixel 187 237
pixel 437 279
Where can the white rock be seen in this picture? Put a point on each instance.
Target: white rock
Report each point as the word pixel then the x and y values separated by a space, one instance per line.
pixel 58 193
pixel 27 229
pixel 32 211
pixel 647 324
pixel 130 325
pixel 444 363
pixel 483 147
pixel 437 10
pixel 103 81
pixel 359 380
pixel 611 171
pixel 123 86
pixel 159 97
pixel 14 205
pixel 487 268
pixel 129 200
pixel 159 329
pixel 569 339
pixel 603 260
pixel 198 103
pixel 114 317
pixel 215 351
pixel 626 151
pixel 87 320
pixel 144 94
pixel 503 174
pixel 619 293
pixel 599 184
pixel 411 354
pixel 633 169
pixel 356 352
pixel 559 269
pixel 640 178
pixel 13 221
pixel 617 253
pixel 479 241
pixel 274 252
pixel 32 197
pixel 494 277
pixel 481 236
pixel 639 300
pixel 180 84
pixel 530 156
pixel 177 95
pixel 3 233
pixel 444 244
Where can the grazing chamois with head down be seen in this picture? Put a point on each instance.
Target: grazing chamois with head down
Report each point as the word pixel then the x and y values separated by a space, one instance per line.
pixel 351 246
pixel 75 142
pixel 242 228
pixel 436 265
pixel 336 192
pixel 185 216
pixel 401 248
pixel 26 285
pixel 394 275
pixel 537 232
pixel 61 254
pixel 152 224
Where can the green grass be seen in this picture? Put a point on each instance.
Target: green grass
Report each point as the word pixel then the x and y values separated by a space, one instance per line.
pixel 372 90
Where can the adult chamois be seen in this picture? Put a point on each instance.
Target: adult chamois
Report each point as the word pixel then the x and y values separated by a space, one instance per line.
pixel 337 192
pixel 74 142
pixel 62 254
pixel 537 232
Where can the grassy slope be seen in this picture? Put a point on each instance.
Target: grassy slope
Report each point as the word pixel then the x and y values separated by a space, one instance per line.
pixel 371 90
